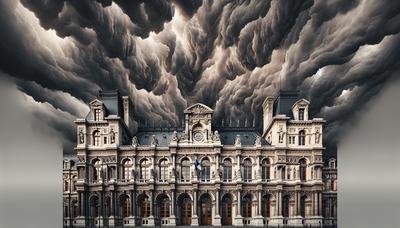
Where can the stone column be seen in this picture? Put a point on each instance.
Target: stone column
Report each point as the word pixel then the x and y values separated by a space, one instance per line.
pixel 238 219
pixel 195 218
pixel 320 204
pixel 279 203
pixel 172 217
pixel 217 219
pixel 259 204
pixel 239 209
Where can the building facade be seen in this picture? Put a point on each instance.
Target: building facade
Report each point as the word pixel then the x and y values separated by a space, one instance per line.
pixel 199 173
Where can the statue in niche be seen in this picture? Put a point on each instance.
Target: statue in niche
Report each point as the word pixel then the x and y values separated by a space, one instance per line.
pixel 216 136
pixel 174 137
pixel 213 174
pixel 237 141
pixel 152 173
pixel 258 141
pixel 281 135
pixel 81 137
pixel 154 141
pixel 112 137
pixel 317 136
pixel 135 141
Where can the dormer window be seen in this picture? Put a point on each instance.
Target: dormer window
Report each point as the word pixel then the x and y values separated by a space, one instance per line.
pixel 97 114
pixel 301 113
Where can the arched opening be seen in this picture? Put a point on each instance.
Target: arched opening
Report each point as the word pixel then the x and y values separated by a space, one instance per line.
pixel 163 206
pixel 94 207
pixel 163 170
pixel 144 206
pixel 144 170
pixel 266 205
pixel 205 209
pixel 205 170
pixel 226 210
pixel 96 138
pixel 247 170
pixel 127 169
pixel 246 206
pixel 285 206
pixel 302 138
pixel 107 206
pixel 185 170
pixel 265 170
pixel 125 206
pixel 303 169
pixel 185 209
pixel 227 170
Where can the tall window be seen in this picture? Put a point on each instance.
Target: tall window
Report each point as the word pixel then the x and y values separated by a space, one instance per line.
pixel 164 207
pixel 144 204
pixel 301 113
pixel 303 206
pixel 247 169
pixel 127 166
pixel 145 170
pixel 303 169
pixel 126 210
pixel 96 170
pixel 163 170
pixel 205 170
pixel 285 206
pixel 246 206
pixel 302 138
pixel 65 186
pixel 75 209
pixel 97 114
pixel 96 138
pixel 265 208
pixel 185 170
pixel 107 206
pixel 265 170
pixel 227 170
pixel 94 204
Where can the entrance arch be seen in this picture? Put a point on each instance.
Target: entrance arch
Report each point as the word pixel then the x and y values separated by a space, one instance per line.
pixel 205 209
pixel 185 209
pixel 226 210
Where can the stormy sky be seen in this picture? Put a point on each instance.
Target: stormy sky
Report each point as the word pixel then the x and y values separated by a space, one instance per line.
pixel 229 55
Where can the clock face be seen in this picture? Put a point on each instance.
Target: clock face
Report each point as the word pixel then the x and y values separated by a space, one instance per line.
pixel 198 136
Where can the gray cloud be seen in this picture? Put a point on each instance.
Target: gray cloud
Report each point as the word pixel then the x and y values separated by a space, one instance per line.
pixel 227 54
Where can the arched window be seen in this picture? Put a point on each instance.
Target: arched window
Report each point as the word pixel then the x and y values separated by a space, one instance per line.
pixel 301 113
pixel 185 170
pixel 163 206
pixel 285 206
pixel 302 138
pixel 303 169
pixel 94 207
pixel 145 170
pixel 96 138
pixel 303 206
pixel 227 170
pixel 126 210
pixel 247 169
pixel 163 170
pixel 205 170
pixel 96 170
pixel 107 206
pixel 127 169
pixel 266 205
pixel 265 170
pixel 65 186
pixel 144 205
pixel 246 206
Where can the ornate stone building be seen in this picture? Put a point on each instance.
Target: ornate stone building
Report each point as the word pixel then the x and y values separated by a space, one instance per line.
pixel 198 173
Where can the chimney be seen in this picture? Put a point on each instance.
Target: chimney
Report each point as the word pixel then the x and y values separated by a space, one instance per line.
pixel 267 112
pixel 125 104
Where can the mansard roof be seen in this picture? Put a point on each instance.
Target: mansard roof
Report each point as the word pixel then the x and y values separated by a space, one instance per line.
pixel 111 101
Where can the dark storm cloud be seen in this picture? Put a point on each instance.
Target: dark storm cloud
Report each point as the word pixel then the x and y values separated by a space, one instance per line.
pixel 227 54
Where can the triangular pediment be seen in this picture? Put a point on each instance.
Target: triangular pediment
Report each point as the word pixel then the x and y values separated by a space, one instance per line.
pixel 198 109
pixel 302 102
pixel 96 102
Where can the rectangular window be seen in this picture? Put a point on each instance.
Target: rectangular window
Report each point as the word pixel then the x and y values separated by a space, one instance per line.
pixel 301 113
pixel 97 114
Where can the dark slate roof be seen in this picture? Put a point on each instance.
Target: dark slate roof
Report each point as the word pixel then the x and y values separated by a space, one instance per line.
pixel 227 136
pixel 247 136
pixel 284 102
pixel 112 102
pixel 163 137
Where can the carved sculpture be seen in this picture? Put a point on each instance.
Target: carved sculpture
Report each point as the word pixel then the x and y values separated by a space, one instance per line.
pixel 317 136
pixel 154 140
pixel 258 141
pixel 237 141
pixel 112 137
pixel 135 141
pixel 281 135
pixel 81 137
pixel 216 136
pixel 174 137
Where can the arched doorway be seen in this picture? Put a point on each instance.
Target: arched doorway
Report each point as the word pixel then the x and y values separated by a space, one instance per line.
pixel 163 206
pixel 226 210
pixel 185 209
pixel 205 209
pixel 143 206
